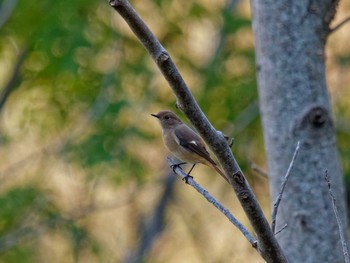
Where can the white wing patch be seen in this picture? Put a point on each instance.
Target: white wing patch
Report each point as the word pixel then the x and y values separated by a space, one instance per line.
pixel 177 140
pixel 194 142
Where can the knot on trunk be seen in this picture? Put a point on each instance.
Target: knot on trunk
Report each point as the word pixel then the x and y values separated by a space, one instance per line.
pixel 314 124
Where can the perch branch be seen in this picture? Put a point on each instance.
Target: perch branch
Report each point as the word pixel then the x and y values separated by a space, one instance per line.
pixel 284 182
pixel 268 247
pixel 341 232
pixel 215 203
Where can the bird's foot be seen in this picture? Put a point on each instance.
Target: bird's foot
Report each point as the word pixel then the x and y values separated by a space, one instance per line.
pixel 186 178
pixel 174 166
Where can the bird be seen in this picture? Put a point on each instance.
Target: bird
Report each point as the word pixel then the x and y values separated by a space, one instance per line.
pixel 184 143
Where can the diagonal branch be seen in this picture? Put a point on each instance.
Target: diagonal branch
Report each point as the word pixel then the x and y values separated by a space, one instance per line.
pixel 11 84
pixel 215 203
pixel 268 247
pixel 284 182
pixel 341 232
pixel 154 225
pixel 258 170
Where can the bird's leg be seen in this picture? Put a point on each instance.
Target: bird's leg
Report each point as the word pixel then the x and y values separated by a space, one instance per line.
pixel 188 175
pixel 174 166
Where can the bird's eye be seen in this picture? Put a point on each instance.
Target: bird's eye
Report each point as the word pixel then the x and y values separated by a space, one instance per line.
pixel 167 117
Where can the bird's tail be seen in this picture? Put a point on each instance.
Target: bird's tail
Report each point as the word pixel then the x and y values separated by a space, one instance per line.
pixel 219 171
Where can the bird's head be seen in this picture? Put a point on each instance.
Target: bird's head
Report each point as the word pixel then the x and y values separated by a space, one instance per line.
pixel 167 119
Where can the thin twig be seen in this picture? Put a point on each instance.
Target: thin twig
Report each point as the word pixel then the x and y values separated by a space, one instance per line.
pixel 332 30
pixel 246 116
pixel 216 203
pixel 341 232
pixel 230 140
pixel 258 170
pixel 284 182
pixel 282 228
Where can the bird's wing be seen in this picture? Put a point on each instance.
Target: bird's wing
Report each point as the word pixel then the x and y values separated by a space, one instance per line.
pixel 191 141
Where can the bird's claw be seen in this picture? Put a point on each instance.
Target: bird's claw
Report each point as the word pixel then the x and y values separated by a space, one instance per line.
pixel 186 178
pixel 177 165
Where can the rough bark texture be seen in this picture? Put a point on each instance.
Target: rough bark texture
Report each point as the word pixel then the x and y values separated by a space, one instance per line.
pixel 290 39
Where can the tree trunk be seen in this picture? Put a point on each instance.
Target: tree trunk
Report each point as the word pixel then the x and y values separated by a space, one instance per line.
pixel 290 39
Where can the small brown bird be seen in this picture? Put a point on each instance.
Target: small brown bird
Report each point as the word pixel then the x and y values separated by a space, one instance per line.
pixel 184 143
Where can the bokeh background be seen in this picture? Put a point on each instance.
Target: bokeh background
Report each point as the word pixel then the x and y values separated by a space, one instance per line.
pixel 83 176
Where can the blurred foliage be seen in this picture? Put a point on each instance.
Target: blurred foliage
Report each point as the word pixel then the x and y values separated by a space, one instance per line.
pixel 80 152
pixel 19 198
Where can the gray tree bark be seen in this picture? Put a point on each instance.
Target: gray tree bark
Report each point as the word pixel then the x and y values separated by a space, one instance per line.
pixel 290 39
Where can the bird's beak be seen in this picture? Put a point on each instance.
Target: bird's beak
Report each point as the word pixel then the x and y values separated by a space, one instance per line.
pixel 155 115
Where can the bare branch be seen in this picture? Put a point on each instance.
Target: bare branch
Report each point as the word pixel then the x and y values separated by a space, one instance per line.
pixel 268 246
pixel 258 170
pixel 332 30
pixel 246 116
pixel 215 203
pixel 11 85
pixel 284 182
pixel 341 232
pixel 153 225
pixel 282 228
pixel 230 141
